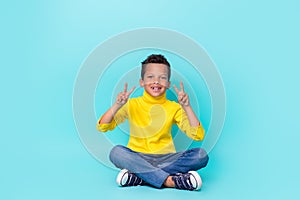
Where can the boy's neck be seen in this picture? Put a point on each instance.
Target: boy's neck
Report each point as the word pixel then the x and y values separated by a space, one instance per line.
pixel 154 100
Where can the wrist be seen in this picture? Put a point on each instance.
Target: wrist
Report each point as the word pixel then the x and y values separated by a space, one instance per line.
pixel 186 107
pixel 116 106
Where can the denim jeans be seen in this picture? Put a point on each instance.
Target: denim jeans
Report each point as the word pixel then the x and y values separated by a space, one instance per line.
pixel 155 168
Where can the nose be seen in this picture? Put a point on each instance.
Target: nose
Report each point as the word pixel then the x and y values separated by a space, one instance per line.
pixel 156 81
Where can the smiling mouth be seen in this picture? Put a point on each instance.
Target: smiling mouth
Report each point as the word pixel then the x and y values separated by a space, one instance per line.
pixel 156 88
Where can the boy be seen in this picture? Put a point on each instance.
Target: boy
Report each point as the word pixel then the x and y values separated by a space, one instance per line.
pixel 150 156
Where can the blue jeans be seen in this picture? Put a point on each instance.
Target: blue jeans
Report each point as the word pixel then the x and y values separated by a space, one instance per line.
pixel 155 168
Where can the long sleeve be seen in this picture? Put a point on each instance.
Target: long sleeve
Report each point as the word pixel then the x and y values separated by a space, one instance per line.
pixel 182 121
pixel 119 118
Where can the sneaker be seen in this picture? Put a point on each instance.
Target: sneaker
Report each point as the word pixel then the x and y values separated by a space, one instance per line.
pixel 187 181
pixel 126 178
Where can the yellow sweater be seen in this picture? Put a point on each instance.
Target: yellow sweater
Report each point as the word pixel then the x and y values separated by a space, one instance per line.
pixel 150 121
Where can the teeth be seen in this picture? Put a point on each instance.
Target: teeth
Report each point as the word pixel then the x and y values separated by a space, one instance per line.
pixel 156 88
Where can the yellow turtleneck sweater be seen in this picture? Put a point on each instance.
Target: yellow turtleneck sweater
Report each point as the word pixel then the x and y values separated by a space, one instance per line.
pixel 150 120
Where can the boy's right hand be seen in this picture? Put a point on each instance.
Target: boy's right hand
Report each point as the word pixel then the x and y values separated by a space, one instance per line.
pixel 122 97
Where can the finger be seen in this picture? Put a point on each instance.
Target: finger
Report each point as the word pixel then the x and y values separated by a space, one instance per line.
pixel 119 99
pixel 185 98
pixel 180 97
pixel 181 87
pixel 125 87
pixel 132 89
pixel 176 89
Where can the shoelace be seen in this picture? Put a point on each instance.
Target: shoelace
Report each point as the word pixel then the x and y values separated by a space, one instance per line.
pixel 183 182
pixel 133 180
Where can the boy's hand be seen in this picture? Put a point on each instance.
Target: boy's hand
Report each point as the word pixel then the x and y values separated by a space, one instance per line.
pixel 122 97
pixel 183 98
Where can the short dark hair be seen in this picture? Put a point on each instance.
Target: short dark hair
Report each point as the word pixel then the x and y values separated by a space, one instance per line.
pixel 155 58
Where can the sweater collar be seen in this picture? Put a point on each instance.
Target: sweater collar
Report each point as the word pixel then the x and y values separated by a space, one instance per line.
pixel 154 100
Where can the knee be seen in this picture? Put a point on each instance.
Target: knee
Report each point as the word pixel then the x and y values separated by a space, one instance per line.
pixel 116 153
pixel 203 157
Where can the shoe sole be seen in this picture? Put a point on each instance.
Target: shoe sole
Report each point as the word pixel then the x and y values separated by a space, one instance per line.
pixel 198 179
pixel 120 177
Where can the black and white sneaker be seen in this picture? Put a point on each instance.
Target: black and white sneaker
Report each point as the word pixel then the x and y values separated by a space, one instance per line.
pixel 187 181
pixel 126 178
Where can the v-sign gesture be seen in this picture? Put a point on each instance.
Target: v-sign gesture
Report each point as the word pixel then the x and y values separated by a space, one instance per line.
pixel 122 97
pixel 183 98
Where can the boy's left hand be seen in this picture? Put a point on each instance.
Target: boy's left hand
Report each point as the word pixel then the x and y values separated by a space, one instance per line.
pixel 183 98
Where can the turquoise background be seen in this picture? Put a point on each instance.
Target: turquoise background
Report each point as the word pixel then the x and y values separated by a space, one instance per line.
pixel 255 45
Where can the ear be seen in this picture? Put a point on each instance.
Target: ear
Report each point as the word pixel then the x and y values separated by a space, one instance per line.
pixel 142 84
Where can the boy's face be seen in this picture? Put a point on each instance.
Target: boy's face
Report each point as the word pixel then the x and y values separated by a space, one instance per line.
pixel 155 80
